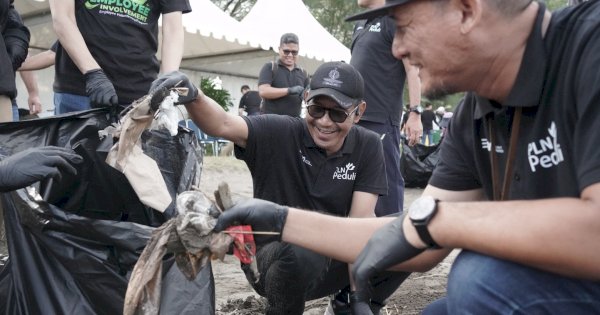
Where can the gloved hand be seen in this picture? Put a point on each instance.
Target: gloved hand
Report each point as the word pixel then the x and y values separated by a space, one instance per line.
pixel 29 166
pixel 262 215
pixel 295 90
pixel 387 247
pixel 99 89
pixel 171 80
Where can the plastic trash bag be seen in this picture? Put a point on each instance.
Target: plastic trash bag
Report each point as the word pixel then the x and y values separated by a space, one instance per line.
pixel 74 253
pixel 417 163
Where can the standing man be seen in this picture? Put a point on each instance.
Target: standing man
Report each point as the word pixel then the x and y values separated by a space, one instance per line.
pixel 518 183
pixel 106 55
pixel 427 119
pixel 322 162
pixel 281 83
pixel 250 102
pixel 14 42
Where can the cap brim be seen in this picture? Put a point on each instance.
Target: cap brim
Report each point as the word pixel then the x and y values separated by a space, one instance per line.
pixel 342 100
pixel 377 12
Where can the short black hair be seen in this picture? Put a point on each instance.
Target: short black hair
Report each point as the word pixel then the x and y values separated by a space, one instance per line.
pixel 289 38
pixel 244 87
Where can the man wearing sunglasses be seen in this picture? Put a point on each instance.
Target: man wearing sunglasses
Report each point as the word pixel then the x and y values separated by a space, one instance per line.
pixel 322 162
pixel 281 83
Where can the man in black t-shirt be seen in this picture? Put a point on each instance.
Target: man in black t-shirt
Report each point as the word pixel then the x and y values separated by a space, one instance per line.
pixel 250 102
pixel 517 185
pixel 106 54
pixel 281 83
pixel 323 162
pixel 427 119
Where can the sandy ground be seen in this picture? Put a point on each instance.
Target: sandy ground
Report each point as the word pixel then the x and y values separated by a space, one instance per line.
pixel 234 296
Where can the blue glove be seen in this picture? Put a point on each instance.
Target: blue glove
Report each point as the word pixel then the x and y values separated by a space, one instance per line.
pixel 32 165
pixel 295 90
pixel 387 247
pixel 170 80
pixel 262 215
pixel 99 89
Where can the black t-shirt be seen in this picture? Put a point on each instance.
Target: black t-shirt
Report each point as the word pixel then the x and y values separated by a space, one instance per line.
pixel 427 118
pixel 282 77
pixel 384 75
pixel 557 86
pixel 250 102
pixel 123 38
pixel 288 168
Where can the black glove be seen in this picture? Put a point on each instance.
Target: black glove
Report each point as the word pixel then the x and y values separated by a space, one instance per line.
pixel 386 248
pixel 32 165
pixel 262 215
pixel 99 89
pixel 171 80
pixel 295 90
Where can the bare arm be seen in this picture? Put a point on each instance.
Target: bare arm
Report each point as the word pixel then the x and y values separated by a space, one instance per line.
pixel 172 46
pixel 266 91
pixel 560 235
pixel 65 26
pixel 413 128
pixel 39 61
pixel 33 99
pixel 212 119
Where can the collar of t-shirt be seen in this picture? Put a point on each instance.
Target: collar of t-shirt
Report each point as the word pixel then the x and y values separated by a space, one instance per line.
pixel 347 147
pixel 528 86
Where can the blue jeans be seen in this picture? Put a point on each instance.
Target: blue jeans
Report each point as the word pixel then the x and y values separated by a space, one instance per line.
pixel 15 109
pixel 67 103
pixel 480 284
pixel 394 200
pixel 427 134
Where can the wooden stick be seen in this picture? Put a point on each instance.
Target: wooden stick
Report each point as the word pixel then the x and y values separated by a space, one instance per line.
pixel 252 232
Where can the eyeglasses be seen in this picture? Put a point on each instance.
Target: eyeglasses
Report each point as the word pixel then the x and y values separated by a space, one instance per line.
pixel 293 52
pixel 336 115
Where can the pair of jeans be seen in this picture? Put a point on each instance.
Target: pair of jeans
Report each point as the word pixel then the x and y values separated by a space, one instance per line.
pixel 67 103
pixel 393 202
pixel 427 135
pixel 480 284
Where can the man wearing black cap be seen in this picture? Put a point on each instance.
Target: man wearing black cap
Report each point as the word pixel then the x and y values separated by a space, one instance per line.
pixel 517 185
pixel 323 162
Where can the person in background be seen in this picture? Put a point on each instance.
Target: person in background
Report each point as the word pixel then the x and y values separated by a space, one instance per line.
pixel 281 83
pixel 322 162
pixel 33 95
pixel 427 119
pixel 517 185
pixel 106 59
pixel 250 102
pixel 14 43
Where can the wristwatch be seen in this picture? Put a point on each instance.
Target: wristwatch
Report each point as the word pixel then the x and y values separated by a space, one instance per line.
pixel 420 212
pixel 417 109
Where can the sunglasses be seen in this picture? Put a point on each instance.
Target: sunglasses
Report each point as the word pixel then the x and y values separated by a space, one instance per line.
pixel 336 115
pixel 293 52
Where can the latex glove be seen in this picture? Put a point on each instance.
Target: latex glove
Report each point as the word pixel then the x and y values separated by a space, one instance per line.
pixel 32 165
pixel 262 215
pixel 295 90
pixel 170 80
pixel 387 247
pixel 99 89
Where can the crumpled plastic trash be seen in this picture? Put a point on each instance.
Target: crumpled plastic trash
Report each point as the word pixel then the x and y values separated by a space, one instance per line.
pixel 167 116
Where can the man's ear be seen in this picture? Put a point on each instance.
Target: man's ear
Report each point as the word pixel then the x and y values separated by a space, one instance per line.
pixel 471 11
pixel 361 110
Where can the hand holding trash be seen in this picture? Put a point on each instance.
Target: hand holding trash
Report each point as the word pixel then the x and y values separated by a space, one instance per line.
pixel 32 165
pixel 262 215
pixel 387 247
pixel 99 89
pixel 168 81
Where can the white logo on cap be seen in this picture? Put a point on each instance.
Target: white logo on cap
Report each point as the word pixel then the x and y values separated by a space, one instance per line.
pixel 333 79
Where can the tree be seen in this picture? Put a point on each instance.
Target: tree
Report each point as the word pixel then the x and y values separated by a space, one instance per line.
pixel 221 96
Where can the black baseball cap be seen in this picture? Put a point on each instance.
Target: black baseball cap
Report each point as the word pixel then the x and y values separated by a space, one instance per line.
pixel 379 11
pixel 339 81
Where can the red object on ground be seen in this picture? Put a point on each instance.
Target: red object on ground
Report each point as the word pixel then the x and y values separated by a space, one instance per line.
pixel 244 247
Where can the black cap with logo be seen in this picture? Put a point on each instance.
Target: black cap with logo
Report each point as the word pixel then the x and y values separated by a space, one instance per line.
pixel 377 12
pixel 340 81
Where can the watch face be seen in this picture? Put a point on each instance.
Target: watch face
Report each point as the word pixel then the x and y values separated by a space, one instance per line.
pixel 421 208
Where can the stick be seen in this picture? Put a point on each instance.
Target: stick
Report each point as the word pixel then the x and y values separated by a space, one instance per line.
pixel 252 232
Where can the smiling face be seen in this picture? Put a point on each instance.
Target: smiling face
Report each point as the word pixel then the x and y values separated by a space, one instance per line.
pixel 288 53
pixel 428 36
pixel 327 134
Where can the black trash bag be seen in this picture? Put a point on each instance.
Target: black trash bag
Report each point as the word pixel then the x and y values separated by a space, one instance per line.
pixel 74 253
pixel 417 163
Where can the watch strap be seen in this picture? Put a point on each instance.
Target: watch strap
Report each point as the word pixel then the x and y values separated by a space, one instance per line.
pixel 426 237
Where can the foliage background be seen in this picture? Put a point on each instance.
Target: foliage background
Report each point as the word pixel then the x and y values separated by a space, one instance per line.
pixel 331 14
pixel 221 96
